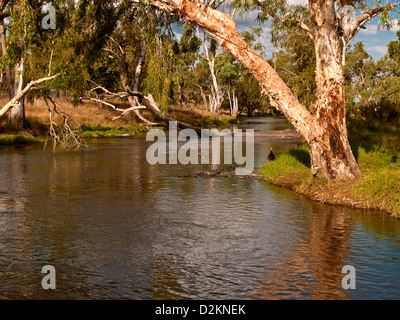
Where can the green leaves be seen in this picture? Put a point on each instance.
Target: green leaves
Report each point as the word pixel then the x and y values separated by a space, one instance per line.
pixel 296 65
pixel 158 69
pixel 372 86
pixel 22 29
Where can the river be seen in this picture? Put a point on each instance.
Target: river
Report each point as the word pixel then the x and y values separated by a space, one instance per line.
pixel 115 227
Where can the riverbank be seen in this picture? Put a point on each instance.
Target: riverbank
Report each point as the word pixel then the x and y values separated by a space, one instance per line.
pixel 17 139
pixel 95 121
pixel 378 188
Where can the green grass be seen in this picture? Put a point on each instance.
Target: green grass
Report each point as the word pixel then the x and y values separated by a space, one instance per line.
pixel 292 167
pixel 379 185
pixel 88 131
pixel 377 188
pixel 13 139
pixel 372 133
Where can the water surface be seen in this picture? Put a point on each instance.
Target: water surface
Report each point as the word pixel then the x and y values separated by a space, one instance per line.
pixel 115 227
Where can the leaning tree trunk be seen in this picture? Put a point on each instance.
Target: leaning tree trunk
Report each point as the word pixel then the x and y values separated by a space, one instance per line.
pixel 325 129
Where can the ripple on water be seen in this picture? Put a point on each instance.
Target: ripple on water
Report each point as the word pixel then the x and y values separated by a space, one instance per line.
pixel 116 228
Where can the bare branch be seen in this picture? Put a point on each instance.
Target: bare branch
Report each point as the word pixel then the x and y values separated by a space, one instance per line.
pixel 129 110
pixel 21 93
pixel 50 61
pixel 150 103
pixel 113 52
pixel 124 111
pixel 365 17
pixel 119 46
pixel 66 136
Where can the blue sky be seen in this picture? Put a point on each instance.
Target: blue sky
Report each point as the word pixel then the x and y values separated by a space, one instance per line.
pixel 375 38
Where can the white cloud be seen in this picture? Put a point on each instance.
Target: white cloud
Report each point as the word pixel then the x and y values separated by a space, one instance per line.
pixel 298 2
pixel 382 50
pixel 371 29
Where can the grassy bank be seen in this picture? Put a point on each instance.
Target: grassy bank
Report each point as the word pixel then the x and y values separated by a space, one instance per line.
pixel 377 188
pixel 95 120
pixel 13 139
pixel 91 117
pixel 201 118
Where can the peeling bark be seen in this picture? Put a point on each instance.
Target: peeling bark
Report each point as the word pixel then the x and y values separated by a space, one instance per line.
pixel 331 155
pixel 325 129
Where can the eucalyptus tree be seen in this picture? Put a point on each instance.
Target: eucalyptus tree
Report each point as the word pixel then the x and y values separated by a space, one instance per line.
pixel 234 79
pixel 363 78
pixel 186 52
pixel 23 21
pixel 210 51
pixel 295 63
pixel 331 25
pixel 228 74
pixel 28 32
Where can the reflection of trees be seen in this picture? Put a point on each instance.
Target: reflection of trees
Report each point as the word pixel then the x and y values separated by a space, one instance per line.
pixel 314 269
pixel 57 209
pixel 115 174
pixel 88 193
pixel 13 183
pixel 15 240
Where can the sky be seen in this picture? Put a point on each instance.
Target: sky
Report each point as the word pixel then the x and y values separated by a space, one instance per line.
pixel 375 38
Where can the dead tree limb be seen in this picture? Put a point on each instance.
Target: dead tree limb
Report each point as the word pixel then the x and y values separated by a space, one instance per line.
pixel 21 93
pixel 67 136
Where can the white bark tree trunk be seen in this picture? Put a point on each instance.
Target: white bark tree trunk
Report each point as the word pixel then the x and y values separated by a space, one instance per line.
pixel 233 104
pixel 17 112
pixel 216 92
pixel 325 130
pixel 330 150
pixel 14 101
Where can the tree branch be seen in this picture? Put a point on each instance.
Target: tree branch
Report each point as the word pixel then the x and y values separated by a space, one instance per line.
pixel 289 20
pixel 14 101
pixel 367 16
pixel 223 29
pixel 66 135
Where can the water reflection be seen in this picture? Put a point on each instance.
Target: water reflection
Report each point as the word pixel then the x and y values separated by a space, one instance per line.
pixel 115 227
pixel 315 262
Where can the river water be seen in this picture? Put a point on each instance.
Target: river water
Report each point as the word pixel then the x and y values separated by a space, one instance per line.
pixel 115 227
